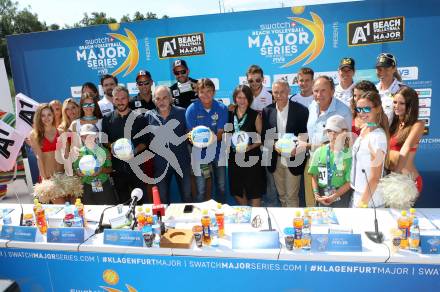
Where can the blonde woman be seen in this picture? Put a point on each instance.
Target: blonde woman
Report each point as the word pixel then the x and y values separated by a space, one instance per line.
pixel 56 107
pixel 69 113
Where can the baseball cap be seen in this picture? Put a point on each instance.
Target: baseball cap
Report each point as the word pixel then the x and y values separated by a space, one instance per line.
pixel 336 123
pixel 143 73
pixel 386 60
pixel 346 62
pixel 88 129
pixel 179 62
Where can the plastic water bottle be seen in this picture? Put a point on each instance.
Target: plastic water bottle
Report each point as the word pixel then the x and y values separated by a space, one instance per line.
pixel 214 232
pixel 69 215
pixel 306 235
pixel 6 217
pixel 414 238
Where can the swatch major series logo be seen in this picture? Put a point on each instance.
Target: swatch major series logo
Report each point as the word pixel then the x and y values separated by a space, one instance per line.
pixel 290 42
pixel 113 53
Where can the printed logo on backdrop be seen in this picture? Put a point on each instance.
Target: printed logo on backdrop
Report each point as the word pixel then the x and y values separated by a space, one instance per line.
pixel 376 31
pixel 290 41
pixel 181 45
pixel 112 53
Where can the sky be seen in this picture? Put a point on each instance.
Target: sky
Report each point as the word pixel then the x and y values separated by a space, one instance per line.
pixel 68 12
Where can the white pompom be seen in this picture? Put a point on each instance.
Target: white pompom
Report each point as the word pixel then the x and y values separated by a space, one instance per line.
pixel 399 190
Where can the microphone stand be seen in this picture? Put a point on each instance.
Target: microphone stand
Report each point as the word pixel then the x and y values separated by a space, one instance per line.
pixel 375 236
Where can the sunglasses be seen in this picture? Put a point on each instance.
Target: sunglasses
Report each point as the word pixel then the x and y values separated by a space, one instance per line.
pixel 180 72
pixel 258 80
pixel 86 105
pixel 366 109
pixel 144 83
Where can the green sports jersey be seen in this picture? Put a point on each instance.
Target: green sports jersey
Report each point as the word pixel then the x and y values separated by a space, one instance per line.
pixel 324 169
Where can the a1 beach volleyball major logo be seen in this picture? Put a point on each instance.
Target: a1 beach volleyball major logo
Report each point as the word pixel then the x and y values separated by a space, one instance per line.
pixel 113 53
pixel 296 40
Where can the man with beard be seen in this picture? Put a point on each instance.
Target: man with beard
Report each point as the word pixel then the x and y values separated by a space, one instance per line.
pixel 183 90
pixel 108 83
pixel 255 79
pixel 113 125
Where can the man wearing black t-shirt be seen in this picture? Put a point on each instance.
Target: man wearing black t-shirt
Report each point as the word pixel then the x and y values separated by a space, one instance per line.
pixel 144 99
pixel 113 125
pixel 183 90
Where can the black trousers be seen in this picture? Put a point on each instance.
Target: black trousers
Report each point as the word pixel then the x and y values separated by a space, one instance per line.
pixel 125 183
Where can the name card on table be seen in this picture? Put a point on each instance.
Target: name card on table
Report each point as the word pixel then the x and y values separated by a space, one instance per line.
pixel 18 233
pixel 123 237
pixel 430 244
pixel 65 235
pixel 252 240
pixel 337 242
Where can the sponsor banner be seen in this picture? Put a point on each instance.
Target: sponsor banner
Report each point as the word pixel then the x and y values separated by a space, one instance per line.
pixel 337 242
pixel 181 45
pixel 65 235
pixel 424 112
pixel 123 237
pixel 376 31
pixel 18 233
pixel 424 102
pixel 40 270
pixel 75 91
pixel 25 108
pixel 424 92
pixel 10 146
pixel 409 73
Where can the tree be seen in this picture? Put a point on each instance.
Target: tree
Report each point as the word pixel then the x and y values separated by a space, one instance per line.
pixel 54 26
pixel 125 18
pixel 138 16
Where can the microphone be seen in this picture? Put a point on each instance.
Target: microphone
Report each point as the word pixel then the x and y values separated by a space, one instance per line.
pixel 101 226
pixel 375 236
pixel 158 207
pixel 269 221
pixel 136 195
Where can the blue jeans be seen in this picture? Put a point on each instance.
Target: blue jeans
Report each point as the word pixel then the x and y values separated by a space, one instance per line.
pixel 218 175
pixel 184 184
pixel 270 199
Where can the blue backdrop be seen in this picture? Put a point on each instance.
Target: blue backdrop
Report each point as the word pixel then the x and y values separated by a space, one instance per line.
pixel 53 65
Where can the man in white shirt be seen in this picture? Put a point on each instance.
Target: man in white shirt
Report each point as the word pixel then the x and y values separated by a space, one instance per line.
pixel 305 83
pixel 344 90
pixel 287 165
pixel 108 83
pixel 262 97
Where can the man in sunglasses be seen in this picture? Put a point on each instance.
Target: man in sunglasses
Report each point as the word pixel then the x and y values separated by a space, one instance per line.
pixel 344 90
pixel 255 79
pixel 144 99
pixel 108 83
pixel 183 90
pixel 305 83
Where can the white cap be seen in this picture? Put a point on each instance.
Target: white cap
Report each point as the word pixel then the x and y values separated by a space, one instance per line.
pixel 88 129
pixel 336 123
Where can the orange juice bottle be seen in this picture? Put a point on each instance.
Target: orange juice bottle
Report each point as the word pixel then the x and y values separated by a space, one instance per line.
pixel 206 223
pixel 40 218
pixel 403 225
pixel 220 218
pixel 412 215
pixel 298 224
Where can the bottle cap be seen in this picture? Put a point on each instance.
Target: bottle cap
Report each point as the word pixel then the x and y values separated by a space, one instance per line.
pixel 306 211
pixel 205 212
pixel 412 210
pixel 35 201
pixel 298 213
pixel 139 209
pixel 147 210
pixel 403 212
pixel 78 201
pixel 219 205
